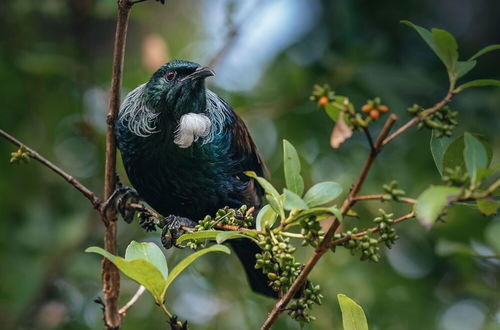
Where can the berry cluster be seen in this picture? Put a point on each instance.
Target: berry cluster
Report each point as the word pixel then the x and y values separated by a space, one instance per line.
pixel 392 191
pixel 19 156
pixel 387 234
pixel 367 245
pixel 299 309
pixel 311 230
pixel 442 121
pixel 322 95
pixel 455 176
pixel 277 261
pixel 228 216
pixel 374 108
pixel 147 221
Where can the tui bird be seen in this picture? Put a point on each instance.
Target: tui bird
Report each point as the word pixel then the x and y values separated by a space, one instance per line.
pixel 185 150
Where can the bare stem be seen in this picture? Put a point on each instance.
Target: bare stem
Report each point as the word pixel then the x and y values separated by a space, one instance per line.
pixel 382 197
pixel 110 274
pixel 89 194
pixel 132 301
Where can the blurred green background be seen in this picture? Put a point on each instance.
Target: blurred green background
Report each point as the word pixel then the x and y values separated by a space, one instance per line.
pixel 55 60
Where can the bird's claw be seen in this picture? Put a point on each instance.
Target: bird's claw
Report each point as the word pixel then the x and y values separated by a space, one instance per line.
pixel 172 230
pixel 119 200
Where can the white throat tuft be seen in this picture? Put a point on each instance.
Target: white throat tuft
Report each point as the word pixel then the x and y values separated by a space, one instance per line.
pixel 191 127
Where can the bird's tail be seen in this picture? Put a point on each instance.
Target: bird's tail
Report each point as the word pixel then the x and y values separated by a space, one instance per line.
pixel 246 250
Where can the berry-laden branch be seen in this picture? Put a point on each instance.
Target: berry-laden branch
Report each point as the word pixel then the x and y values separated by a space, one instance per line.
pixel 344 239
pixel 383 139
pixel 89 194
pixel 415 120
pixel 323 247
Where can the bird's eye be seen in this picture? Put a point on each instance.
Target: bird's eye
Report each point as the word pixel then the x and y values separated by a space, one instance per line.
pixel 170 75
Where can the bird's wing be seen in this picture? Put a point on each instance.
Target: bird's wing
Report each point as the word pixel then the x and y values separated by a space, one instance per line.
pixel 245 154
pixel 244 149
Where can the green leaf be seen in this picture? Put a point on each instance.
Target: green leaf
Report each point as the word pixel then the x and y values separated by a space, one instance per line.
pixel 322 193
pixel 477 83
pixel 446 48
pixel 463 67
pixel 483 173
pixel 140 270
pixel 485 50
pixel 454 154
pixel 188 260
pixel 333 110
pixel 150 252
pixel 293 201
pixel 272 195
pixel 432 201
pixel 475 155
pixel 293 179
pixel 202 234
pixel 488 207
pixel 353 316
pixel 227 235
pixel 438 148
pixel 319 212
pixel 265 216
pixel 424 33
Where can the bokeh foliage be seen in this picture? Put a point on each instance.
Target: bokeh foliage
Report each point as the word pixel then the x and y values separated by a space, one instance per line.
pixel 55 64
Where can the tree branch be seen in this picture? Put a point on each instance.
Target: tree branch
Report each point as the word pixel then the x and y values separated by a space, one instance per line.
pixel 382 140
pixel 371 230
pixel 415 120
pixel 110 274
pixel 382 197
pixel 323 246
pixel 89 194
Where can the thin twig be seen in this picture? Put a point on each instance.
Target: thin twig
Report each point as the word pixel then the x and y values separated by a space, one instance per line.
pixel 132 301
pixel 110 274
pixel 415 120
pixel 89 194
pixel 368 137
pixel 370 230
pixel 382 197
pixel 142 208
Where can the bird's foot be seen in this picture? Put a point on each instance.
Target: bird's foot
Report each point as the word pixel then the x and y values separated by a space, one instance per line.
pixel 173 229
pixel 120 200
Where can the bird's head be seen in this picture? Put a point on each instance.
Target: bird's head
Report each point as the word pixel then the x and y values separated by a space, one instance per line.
pixel 177 88
pixel 174 100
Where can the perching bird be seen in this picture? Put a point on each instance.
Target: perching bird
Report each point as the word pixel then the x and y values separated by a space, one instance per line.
pixel 185 150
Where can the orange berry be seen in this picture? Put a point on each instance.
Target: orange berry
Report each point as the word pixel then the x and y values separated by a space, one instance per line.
pixel 374 114
pixel 367 108
pixel 323 101
pixel 383 108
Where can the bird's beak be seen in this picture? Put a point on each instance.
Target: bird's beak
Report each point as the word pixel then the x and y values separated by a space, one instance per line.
pixel 200 72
